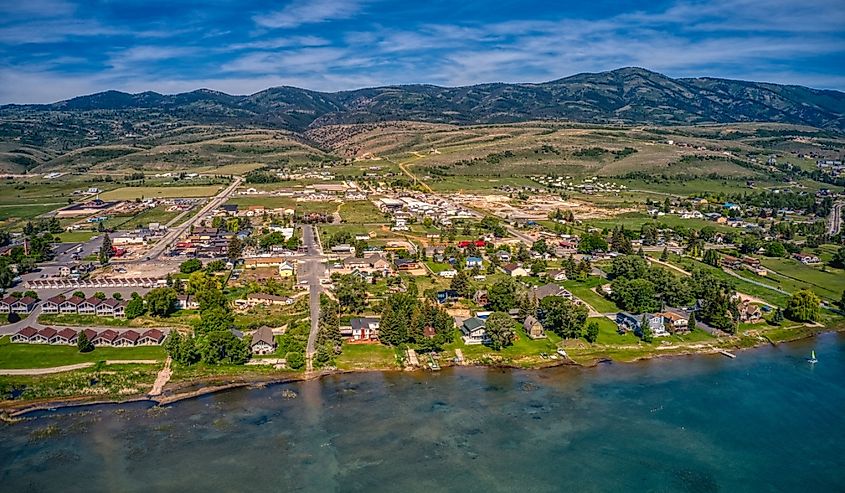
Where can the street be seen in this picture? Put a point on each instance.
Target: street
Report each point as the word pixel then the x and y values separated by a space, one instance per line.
pixel 311 270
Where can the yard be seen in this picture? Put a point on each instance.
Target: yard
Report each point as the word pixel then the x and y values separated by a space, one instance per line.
pixel 46 356
pixel 366 357
pixel 828 283
pixel 584 291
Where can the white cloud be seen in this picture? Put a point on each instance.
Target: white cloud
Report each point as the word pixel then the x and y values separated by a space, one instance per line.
pixel 300 12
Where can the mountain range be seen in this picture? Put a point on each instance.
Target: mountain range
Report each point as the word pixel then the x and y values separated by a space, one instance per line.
pixel 626 95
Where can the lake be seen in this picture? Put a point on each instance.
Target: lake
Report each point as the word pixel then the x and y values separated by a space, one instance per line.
pixel 765 421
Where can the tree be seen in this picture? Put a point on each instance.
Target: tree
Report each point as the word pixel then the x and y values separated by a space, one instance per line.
pixel 838 259
pixel 106 250
pixel 591 243
pixel 235 248
pixel 591 333
pixel 501 296
pixel 629 267
pixel 396 315
pixel 540 246
pixel 462 284
pixel 711 257
pixel 803 306
pixel 83 344
pixel 842 301
pixel 117 296
pixel 223 347
pixel 775 249
pixel 100 295
pixel 636 295
pixel 190 266
pixel 215 319
pixel 329 326
pixel 295 360
pixel 215 266
pixel 777 318
pixel 645 329
pixel 563 316
pixel 499 327
pixel 691 324
pixel 664 256
pixel 135 308
pixel 78 294
pixel 351 293
pixel 188 351
pixel 161 302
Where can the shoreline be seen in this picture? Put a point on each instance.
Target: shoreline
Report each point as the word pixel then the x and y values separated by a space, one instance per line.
pixel 204 386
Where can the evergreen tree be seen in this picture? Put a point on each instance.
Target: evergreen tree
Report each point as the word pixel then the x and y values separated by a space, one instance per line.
pixel 664 256
pixel 645 329
pixel 106 251
pixel 83 344
pixel 691 325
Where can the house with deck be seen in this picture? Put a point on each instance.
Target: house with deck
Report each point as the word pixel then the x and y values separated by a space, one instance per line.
pixel 473 331
pixel 105 338
pixel 24 335
pixel 65 336
pixel 533 328
pixel 363 329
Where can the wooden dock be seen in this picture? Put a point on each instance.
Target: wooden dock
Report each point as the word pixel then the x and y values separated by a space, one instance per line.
pixel 726 353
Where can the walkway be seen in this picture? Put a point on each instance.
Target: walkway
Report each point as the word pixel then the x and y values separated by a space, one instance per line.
pixel 162 378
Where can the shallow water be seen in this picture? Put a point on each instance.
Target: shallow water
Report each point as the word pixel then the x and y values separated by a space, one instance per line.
pixel 765 421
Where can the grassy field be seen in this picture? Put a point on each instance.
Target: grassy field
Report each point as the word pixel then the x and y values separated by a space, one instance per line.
pixel 361 212
pixel 76 236
pixel 132 193
pixel 112 382
pixel 45 356
pixel 366 356
pixel 828 284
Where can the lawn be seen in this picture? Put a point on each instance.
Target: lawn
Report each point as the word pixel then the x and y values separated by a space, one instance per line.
pixel 523 352
pixel 366 357
pixel 583 290
pixel 828 284
pixel 361 212
pixel 77 236
pixel 132 193
pixel 45 356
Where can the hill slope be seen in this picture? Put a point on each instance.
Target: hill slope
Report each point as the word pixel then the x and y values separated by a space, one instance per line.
pixel 627 95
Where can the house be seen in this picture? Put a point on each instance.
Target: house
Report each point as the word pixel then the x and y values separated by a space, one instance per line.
pixel 473 262
pixel 629 322
pixel 152 337
pixel 263 299
pixel 447 295
pixel 473 331
pixel 480 297
pixel 229 209
pixel 514 270
pixel 263 341
pixel 107 307
pixel 6 304
pixel 89 306
pixel 675 321
pixel 286 269
pixel 538 293
pixel 448 274
pixel 556 275
pixel 343 249
pixel 90 334
pixel 52 304
pixel 25 334
pixel 261 262
pixel 44 335
pixel 65 336
pixel 405 264
pixel 806 258
pixel 364 329
pixel 186 302
pixel 23 305
pixel 127 338
pixel 71 305
pixel 105 338
pixel 749 313
pixel 533 328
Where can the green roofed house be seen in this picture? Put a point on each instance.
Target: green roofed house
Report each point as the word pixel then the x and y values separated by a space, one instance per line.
pixel 473 331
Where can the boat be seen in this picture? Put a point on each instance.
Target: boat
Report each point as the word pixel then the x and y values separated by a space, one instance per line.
pixel 813 357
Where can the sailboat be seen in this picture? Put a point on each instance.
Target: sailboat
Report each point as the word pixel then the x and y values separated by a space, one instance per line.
pixel 813 357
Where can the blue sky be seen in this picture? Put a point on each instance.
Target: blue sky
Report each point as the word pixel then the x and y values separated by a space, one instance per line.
pixel 56 49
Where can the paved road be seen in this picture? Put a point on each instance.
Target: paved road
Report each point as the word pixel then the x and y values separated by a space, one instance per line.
pixel 835 219
pixel 311 270
pixel 175 233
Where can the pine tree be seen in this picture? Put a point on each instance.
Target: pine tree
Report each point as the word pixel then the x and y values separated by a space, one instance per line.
pixel 106 250
pixel 665 255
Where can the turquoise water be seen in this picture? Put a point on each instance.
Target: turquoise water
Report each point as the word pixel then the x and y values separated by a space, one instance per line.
pixel 765 421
